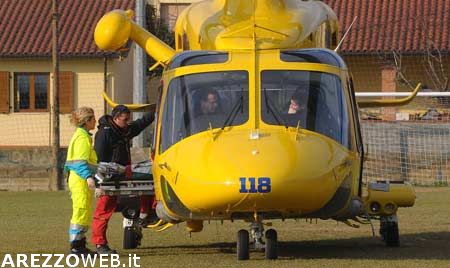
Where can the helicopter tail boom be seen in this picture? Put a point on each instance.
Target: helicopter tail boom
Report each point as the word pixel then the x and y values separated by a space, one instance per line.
pixel 115 28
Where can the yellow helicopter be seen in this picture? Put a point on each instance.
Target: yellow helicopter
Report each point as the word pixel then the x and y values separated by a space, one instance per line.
pixel 257 120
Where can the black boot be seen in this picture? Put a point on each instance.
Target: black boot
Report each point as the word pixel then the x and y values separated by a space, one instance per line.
pixel 104 249
pixel 78 247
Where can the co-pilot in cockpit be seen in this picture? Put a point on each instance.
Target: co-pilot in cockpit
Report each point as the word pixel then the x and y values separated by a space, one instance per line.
pixel 297 103
pixel 310 100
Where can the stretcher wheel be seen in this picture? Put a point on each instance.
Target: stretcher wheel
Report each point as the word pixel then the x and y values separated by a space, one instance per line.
pixel 390 234
pixel 130 238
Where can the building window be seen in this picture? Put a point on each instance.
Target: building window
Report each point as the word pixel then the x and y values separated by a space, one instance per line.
pixel 31 92
pixel 170 12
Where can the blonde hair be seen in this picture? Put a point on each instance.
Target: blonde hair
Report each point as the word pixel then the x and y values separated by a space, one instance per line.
pixel 80 116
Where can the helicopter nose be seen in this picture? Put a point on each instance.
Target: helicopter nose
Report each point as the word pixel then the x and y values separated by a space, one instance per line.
pixel 274 172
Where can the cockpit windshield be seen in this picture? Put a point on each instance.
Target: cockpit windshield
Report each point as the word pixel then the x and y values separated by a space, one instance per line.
pixel 198 102
pixel 310 100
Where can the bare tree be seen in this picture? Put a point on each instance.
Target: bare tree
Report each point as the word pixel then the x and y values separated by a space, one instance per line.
pixel 432 61
pixel 434 66
pixel 400 70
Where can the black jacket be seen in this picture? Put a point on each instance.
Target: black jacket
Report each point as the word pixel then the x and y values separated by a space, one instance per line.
pixel 112 144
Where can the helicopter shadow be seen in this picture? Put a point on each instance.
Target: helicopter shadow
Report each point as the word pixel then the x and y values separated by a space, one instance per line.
pixel 418 246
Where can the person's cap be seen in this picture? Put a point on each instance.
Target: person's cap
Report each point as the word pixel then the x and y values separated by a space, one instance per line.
pixel 120 109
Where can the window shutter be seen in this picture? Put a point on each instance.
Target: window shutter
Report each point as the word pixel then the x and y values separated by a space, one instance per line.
pixel 4 92
pixel 66 92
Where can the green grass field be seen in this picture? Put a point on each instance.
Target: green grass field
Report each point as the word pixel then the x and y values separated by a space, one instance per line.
pixel 37 222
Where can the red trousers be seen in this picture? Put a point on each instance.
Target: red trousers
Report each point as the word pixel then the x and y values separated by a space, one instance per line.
pixel 105 207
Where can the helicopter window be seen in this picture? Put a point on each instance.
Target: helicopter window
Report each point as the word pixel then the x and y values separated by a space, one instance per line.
pixel 311 100
pixel 198 57
pixel 196 102
pixel 312 56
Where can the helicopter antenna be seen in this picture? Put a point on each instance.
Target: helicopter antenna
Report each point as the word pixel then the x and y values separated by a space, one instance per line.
pixel 254 24
pixel 345 35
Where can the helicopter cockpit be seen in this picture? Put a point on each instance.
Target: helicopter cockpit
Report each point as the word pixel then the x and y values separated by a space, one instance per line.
pixel 310 100
pixel 292 93
pixel 202 101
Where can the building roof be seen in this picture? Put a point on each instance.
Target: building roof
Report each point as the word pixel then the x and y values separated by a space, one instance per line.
pixel 26 26
pixel 381 26
pixel 387 25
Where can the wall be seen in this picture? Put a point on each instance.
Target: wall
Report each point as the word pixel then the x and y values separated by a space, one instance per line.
pixel 25 156
pixel 366 71
pixel 170 9
pixel 122 89
pixel 26 169
pixel 32 129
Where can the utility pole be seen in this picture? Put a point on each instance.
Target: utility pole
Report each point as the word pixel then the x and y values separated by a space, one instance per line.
pixel 105 81
pixel 139 73
pixel 55 181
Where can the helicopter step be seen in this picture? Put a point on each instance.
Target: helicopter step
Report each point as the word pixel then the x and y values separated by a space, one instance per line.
pixel 270 247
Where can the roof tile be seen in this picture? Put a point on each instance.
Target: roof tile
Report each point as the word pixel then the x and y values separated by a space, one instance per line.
pixel 26 26
pixel 386 25
pixel 382 25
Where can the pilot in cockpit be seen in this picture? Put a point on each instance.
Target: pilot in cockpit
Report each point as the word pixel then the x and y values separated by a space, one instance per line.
pixel 207 110
pixel 209 103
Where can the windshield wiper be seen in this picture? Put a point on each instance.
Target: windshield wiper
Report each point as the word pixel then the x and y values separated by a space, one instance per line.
pixel 232 115
pixel 276 115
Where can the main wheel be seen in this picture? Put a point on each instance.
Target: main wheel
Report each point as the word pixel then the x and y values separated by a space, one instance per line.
pixel 271 244
pixel 390 234
pixel 243 247
pixel 130 238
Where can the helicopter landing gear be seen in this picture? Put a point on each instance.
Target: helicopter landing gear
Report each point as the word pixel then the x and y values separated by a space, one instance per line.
pixel 243 247
pixel 389 230
pixel 271 244
pixel 257 231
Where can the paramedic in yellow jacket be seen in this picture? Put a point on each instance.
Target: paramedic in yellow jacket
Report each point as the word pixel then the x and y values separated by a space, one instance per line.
pixel 81 161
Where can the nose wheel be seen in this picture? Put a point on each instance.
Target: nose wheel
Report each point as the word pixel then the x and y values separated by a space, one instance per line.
pixel 270 246
pixel 243 246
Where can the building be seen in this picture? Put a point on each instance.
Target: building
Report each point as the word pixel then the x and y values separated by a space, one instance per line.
pixel 411 29
pixel 26 80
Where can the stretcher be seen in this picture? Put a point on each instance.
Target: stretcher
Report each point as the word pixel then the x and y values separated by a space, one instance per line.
pixel 113 180
pixel 128 187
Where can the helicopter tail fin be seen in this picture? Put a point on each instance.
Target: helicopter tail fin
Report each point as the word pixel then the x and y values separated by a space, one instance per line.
pixel 133 107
